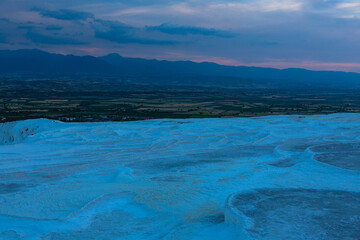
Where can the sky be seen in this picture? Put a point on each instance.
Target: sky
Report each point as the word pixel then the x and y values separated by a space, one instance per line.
pixel 312 34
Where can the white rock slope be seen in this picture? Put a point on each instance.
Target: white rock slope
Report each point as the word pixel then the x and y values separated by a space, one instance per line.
pixel 287 177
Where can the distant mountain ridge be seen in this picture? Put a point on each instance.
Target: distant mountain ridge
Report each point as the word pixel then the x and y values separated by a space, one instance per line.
pixel 33 61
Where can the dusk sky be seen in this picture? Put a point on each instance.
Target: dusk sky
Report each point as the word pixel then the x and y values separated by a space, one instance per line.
pixel 312 34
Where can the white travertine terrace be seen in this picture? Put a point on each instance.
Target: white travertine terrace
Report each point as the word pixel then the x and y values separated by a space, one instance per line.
pixel 170 179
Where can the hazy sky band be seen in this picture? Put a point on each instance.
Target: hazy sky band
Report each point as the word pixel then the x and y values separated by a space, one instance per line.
pixel 315 34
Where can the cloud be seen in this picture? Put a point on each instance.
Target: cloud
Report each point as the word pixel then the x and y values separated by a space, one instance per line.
pixel 174 29
pixel 247 31
pixel 122 33
pixel 348 5
pixel 39 38
pixel 4 20
pixel 2 38
pixel 261 5
pixel 64 14
pixel 26 27
pixel 54 28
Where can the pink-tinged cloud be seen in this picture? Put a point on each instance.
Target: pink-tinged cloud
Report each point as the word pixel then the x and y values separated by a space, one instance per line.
pixel 218 60
pixel 283 64
pixel 312 65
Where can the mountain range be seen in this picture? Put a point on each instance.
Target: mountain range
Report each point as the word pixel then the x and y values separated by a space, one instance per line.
pixel 33 61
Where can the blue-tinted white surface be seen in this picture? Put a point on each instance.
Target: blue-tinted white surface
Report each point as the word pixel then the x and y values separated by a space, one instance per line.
pixel 171 179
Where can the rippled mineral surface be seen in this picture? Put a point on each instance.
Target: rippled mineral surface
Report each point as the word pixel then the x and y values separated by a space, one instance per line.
pixel 276 177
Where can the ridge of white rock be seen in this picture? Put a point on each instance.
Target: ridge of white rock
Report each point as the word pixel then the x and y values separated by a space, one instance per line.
pixel 17 131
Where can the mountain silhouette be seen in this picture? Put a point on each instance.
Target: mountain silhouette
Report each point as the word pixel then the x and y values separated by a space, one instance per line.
pixel 33 61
